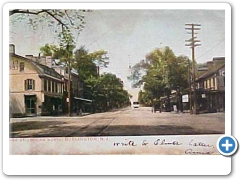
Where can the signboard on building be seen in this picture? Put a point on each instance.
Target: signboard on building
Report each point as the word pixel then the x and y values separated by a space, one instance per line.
pixel 185 98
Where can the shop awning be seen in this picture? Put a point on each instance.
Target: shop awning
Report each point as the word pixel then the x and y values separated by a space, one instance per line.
pixel 82 99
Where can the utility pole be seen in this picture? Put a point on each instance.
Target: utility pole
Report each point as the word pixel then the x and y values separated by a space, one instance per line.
pixel 193 43
pixel 190 87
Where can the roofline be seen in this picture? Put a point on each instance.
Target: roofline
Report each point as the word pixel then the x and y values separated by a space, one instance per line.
pixel 26 59
pixel 205 75
pixel 51 77
pixel 32 63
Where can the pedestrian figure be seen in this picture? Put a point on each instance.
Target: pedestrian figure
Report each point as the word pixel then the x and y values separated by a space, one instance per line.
pixel 154 108
pixel 80 112
pixel 175 108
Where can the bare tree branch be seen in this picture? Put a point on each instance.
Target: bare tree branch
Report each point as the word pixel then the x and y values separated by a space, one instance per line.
pixel 70 19
pixel 18 11
pixel 58 20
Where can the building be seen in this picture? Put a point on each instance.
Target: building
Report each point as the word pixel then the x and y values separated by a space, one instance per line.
pixel 78 103
pixel 35 88
pixel 211 86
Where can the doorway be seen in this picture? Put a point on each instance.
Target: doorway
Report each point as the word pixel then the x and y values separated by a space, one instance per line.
pixel 30 105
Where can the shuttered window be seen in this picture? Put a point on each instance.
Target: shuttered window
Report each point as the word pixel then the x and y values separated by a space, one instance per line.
pixel 29 84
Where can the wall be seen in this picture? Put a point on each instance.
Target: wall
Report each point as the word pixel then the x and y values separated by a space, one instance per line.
pixel 17 85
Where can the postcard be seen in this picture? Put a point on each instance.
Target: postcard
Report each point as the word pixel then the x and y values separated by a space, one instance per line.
pixel 129 84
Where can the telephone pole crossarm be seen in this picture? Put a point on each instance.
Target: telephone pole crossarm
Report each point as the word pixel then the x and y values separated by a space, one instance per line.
pixel 193 43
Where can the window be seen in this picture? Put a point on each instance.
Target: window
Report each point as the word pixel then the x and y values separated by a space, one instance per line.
pixel 45 85
pixel 29 84
pixel 62 89
pixel 56 87
pixel 53 86
pixel 49 86
pixel 205 85
pixel 213 83
pixel 21 67
pixel 208 83
pixel 15 64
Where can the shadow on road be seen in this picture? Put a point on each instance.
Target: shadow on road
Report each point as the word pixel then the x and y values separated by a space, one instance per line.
pixel 53 130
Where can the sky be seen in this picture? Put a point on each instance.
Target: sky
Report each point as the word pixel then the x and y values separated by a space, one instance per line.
pixel 128 35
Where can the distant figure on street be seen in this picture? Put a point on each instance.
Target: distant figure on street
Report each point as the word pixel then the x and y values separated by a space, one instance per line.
pixel 175 109
pixel 153 109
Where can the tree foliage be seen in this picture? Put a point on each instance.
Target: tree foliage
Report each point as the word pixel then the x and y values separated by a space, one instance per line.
pixel 84 64
pixel 64 54
pixel 48 50
pixel 88 64
pixel 137 72
pixel 164 72
pixel 106 91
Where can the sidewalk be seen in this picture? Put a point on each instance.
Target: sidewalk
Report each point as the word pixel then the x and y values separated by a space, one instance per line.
pixel 64 116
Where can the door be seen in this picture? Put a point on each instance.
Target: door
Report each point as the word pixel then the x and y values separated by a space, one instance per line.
pixel 30 105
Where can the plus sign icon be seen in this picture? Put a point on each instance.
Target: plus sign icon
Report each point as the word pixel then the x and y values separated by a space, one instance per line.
pixel 227 145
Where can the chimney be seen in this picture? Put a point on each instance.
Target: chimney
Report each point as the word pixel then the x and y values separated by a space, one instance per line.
pixel 49 61
pixel 12 48
pixel 209 64
pixel 218 60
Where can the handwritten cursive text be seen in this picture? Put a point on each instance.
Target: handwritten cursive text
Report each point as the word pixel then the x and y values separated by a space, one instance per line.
pixel 164 142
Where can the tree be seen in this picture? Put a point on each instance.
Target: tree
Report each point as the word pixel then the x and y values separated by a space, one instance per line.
pixel 107 92
pixel 64 53
pixel 137 72
pixel 144 99
pixel 48 50
pixel 156 79
pixel 178 77
pixel 100 58
pixel 88 64
pixel 164 73
pixel 62 21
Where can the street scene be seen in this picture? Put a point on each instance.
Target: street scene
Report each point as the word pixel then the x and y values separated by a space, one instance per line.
pixel 85 73
pixel 118 89
pixel 122 122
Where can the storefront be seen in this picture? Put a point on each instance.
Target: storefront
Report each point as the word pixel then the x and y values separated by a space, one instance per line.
pixel 52 105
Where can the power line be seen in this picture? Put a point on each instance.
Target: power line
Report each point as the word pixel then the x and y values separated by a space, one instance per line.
pixel 95 40
pixel 210 49
pixel 107 31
